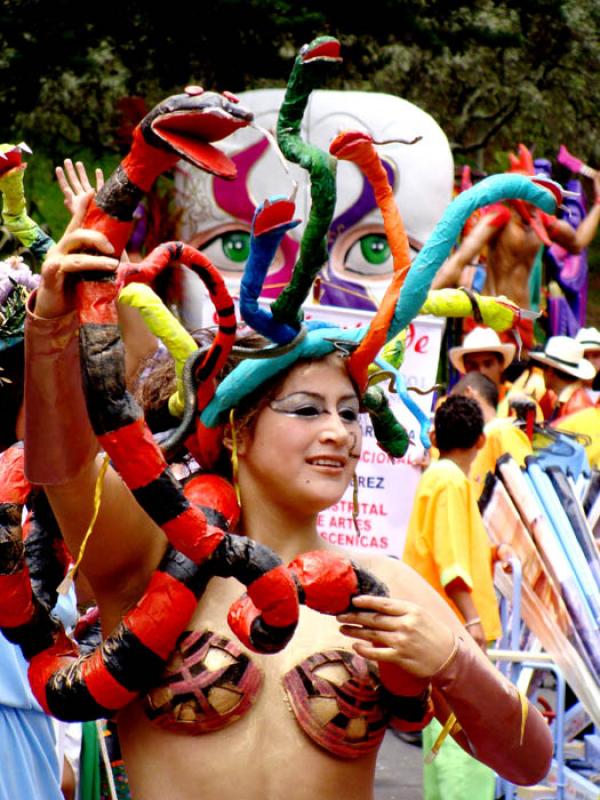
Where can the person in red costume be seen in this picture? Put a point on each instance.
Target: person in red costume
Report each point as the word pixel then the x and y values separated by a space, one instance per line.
pixel 219 723
pixel 565 371
pixel 512 234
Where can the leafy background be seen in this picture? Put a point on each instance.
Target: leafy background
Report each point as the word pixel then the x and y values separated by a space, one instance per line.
pixel 492 73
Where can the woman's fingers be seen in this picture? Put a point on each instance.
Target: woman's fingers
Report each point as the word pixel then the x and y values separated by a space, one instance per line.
pixel 372 606
pixel 366 634
pixel 65 188
pixel 82 176
pixel 373 621
pixel 82 238
pixel 72 176
pixel 75 185
pixel 388 629
pixel 375 653
pixel 80 262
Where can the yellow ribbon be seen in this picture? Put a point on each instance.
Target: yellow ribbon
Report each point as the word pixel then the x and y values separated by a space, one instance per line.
pixel 451 725
pixel 65 584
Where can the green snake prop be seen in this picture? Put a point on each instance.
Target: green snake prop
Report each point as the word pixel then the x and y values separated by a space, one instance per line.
pixel 308 70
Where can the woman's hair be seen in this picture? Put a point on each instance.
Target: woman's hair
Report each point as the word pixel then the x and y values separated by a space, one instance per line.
pixel 155 381
pixel 152 385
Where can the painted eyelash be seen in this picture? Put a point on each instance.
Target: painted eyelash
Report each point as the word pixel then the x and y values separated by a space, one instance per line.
pixel 347 414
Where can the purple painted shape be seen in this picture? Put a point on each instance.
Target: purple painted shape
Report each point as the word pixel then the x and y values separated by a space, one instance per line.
pixel 335 290
pixel 570 270
pixel 233 196
pixel 562 321
pixel 345 294
pixel 360 208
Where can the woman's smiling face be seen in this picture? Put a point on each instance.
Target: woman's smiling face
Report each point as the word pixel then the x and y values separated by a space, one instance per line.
pixel 306 442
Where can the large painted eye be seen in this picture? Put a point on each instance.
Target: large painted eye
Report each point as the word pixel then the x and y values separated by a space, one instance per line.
pixel 228 251
pixel 370 255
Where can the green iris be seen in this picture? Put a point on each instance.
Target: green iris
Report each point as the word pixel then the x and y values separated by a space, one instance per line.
pixel 375 248
pixel 236 246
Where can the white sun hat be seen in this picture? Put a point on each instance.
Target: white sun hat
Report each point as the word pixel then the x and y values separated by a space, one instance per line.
pixel 481 340
pixel 566 354
pixel 588 338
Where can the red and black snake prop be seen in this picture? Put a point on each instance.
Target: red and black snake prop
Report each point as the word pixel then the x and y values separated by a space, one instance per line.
pixel 131 659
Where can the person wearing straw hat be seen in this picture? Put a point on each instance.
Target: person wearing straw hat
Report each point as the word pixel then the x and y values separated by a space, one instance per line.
pixel 589 338
pixel 565 371
pixel 482 351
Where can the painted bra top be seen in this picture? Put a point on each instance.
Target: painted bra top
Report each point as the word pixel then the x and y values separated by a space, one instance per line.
pixel 336 696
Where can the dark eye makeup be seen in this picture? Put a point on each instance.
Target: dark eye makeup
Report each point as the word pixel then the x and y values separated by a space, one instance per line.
pixel 300 404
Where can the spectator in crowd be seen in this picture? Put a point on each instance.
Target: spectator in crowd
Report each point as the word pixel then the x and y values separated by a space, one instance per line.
pixel 447 544
pixel 565 371
pixel 502 434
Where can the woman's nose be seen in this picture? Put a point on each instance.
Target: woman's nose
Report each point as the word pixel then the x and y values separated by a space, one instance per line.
pixel 335 429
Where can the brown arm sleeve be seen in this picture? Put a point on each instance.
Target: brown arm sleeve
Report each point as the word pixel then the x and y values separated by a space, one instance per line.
pixel 498 726
pixel 59 440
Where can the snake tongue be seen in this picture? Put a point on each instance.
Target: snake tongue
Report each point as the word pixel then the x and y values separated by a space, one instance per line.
pixel 189 135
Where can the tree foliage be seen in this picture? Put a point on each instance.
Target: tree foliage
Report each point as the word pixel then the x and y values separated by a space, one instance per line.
pixel 492 72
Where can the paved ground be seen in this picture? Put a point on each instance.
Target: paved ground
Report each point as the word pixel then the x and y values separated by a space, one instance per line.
pixel 399 768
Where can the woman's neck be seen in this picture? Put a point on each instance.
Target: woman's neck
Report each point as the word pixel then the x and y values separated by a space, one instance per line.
pixel 283 530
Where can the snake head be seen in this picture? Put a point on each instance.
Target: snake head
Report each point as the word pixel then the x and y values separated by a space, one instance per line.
pixel 11 157
pixel 323 48
pixel 348 143
pixel 275 214
pixel 185 125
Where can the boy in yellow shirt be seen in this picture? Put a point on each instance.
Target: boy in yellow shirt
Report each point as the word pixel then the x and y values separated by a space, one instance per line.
pixel 447 544
pixel 502 435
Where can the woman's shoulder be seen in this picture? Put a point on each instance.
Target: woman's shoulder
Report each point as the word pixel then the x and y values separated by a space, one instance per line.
pixel 404 583
pixel 400 578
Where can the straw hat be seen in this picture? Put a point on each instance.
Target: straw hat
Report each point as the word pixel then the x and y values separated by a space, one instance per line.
pixel 566 354
pixel 481 340
pixel 588 338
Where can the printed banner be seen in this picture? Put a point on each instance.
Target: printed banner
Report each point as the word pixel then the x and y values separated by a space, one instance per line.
pixel 386 486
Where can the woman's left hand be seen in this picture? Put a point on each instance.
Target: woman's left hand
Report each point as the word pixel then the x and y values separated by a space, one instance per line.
pixel 398 632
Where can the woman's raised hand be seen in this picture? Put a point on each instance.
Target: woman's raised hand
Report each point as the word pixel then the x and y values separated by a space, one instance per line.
pixel 75 184
pixel 67 257
pixel 398 632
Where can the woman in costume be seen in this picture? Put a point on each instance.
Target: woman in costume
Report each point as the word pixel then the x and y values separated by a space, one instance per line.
pixel 298 704
pixel 225 722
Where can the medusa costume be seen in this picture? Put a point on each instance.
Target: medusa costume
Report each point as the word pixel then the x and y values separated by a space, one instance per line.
pixel 264 619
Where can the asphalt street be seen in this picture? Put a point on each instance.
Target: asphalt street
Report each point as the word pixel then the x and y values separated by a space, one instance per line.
pixel 399 768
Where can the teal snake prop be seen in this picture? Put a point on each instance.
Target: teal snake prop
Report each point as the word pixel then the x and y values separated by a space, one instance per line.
pixel 318 343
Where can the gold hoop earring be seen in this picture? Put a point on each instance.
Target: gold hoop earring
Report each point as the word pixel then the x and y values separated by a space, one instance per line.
pixel 234 457
pixel 355 505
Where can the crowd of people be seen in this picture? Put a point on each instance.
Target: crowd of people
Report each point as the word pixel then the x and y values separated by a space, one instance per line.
pixel 406 648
